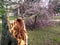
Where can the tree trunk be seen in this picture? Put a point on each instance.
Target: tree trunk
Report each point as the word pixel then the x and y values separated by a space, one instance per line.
pixel 6 39
pixel 35 21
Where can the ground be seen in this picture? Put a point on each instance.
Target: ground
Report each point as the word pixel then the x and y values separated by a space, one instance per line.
pixel 46 36
pixel 0 32
pixel 56 17
pixel 43 36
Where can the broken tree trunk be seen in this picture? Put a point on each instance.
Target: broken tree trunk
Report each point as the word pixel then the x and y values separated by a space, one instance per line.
pixel 6 38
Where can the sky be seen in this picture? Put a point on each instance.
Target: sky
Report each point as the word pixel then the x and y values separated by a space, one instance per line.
pixel 44 3
pixel 17 0
pixel 14 0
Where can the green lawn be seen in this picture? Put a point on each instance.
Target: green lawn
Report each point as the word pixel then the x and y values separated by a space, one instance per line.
pixel 11 17
pixel 56 17
pixel 44 36
pixel 0 31
pixel 0 26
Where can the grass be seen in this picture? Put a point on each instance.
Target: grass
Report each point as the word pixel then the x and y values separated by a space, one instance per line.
pixel 44 36
pixel 56 17
pixel 12 17
pixel 0 32
pixel 0 26
pixel 57 39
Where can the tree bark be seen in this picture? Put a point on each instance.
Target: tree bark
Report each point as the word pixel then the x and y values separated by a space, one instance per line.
pixel 6 38
pixel 35 21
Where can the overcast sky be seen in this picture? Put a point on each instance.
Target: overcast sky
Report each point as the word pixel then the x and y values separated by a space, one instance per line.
pixel 14 0
pixel 44 3
pixel 17 0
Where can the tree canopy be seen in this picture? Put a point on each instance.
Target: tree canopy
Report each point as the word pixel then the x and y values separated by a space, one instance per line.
pixel 2 10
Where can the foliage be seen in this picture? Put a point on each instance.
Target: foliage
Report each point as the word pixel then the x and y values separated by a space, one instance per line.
pixel 12 17
pixel 2 10
pixel 57 39
pixel 44 15
pixel 57 9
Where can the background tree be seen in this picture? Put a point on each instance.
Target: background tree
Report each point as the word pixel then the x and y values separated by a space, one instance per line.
pixel 44 10
pixel 2 10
